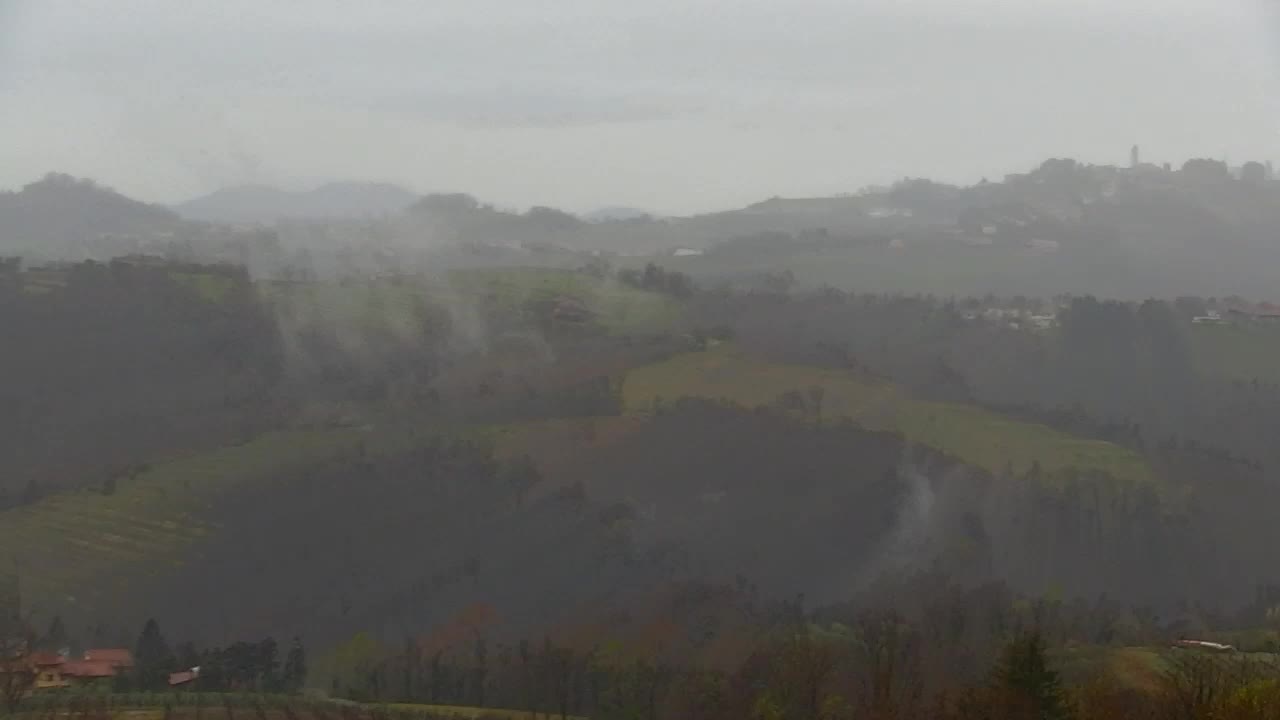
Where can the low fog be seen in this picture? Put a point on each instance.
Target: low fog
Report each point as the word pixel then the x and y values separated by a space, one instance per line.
pixel 721 360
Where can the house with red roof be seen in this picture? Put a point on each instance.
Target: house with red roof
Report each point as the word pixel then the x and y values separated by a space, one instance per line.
pixel 185 677
pixel 1260 311
pixel 56 670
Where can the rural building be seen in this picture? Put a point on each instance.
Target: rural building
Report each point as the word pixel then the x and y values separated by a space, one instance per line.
pixel 85 672
pixel 1261 311
pixel 116 657
pixel 48 670
pixel 56 670
pixel 186 677
pixel 1203 645
pixel 1042 322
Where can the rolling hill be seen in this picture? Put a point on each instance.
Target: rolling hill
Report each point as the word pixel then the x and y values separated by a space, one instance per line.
pixel 264 204
pixel 977 436
pixel 60 216
pixel 80 547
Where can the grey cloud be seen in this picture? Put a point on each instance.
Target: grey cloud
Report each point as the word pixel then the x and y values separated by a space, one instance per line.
pixel 498 109
pixel 698 103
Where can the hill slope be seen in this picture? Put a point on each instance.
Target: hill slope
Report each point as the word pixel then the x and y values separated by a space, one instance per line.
pixel 977 436
pixel 263 204
pixel 59 214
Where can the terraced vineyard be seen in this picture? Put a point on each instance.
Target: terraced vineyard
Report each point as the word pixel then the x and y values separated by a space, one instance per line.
pixel 89 539
pixel 975 435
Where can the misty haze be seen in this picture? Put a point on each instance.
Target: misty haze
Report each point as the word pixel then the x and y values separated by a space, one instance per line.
pixel 703 360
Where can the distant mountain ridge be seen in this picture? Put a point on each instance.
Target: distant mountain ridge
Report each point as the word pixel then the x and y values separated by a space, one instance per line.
pixel 59 212
pixel 262 203
pixel 606 214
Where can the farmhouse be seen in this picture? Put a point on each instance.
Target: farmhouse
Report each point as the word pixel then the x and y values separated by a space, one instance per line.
pixel 48 670
pixel 185 677
pixel 52 671
pixel 1203 645
pixel 1262 311
pixel 1042 322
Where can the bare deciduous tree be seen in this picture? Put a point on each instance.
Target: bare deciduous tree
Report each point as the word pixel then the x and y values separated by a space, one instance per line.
pixel 17 674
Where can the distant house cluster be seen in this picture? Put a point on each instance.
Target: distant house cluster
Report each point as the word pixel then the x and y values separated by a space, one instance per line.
pixel 60 670
pixel 1261 311
pixel 1240 312
pixel 1015 318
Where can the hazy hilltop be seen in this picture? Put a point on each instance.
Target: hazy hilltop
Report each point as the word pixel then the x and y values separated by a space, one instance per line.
pixel 1201 228
pixel 1064 227
pixel 60 215
pixel 265 204
pixel 616 212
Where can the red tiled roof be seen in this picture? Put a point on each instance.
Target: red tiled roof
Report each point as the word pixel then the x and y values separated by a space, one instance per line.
pixel 117 657
pixel 1265 309
pixel 46 659
pixel 182 678
pixel 89 668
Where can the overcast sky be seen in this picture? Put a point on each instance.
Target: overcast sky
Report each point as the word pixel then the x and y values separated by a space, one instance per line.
pixel 671 105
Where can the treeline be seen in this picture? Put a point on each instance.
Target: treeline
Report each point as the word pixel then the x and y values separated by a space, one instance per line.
pixel 242 666
pixel 919 646
pixel 658 279
pixel 982 652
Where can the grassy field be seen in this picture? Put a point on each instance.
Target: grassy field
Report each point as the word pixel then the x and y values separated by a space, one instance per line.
pixel 974 435
pixel 1237 352
pixel 1139 668
pixel 228 706
pixel 472 713
pixel 210 286
pixel 42 282
pixel 355 304
pixel 619 308
pixel 88 539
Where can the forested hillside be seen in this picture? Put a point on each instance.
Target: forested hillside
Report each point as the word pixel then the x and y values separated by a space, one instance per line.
pixel 1109 424
pixel 402 470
